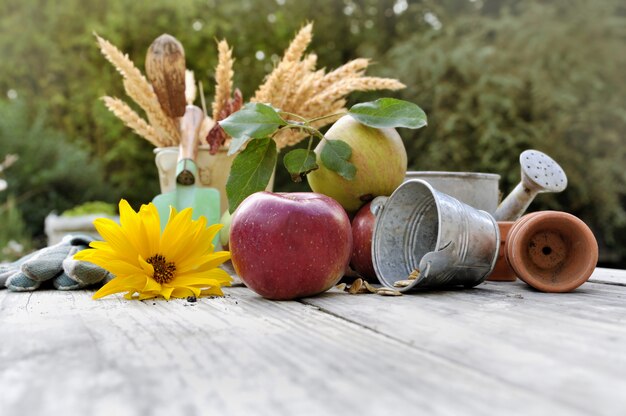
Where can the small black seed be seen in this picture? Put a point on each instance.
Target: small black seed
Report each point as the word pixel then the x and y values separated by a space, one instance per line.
pixel 191 299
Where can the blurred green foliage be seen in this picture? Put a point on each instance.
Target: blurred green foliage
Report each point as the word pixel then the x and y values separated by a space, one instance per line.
pixel 90 208
pixel 51 173
pixel 545 76
pixel 15 239
pixel 494 76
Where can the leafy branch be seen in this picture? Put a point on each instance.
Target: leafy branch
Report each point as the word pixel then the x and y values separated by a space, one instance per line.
pixel 254 127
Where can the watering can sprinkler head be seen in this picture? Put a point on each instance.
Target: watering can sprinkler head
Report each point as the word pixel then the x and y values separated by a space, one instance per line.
pixel 540 173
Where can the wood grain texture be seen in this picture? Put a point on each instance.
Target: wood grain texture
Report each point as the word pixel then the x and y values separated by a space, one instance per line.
pixel 570 348
pixel 610 276
pixel 498 349
pixel 64 353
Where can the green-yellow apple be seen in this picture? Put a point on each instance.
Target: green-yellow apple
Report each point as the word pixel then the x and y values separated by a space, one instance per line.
pixel 378 155
pixel 290 245
pixel 225 231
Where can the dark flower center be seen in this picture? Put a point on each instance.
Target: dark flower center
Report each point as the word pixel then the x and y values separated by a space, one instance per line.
pixel 163 270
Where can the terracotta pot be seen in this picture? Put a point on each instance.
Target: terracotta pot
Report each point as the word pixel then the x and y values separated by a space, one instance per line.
pixel 552 251
pixel 502 272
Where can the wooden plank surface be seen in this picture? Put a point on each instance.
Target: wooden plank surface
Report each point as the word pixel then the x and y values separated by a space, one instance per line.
pixel 610 276
pixel 497 349
pixel 565 347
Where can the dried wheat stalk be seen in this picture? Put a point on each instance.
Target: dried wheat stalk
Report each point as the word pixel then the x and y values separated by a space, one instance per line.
pixel 345 86
pixel 223 78
pixel 139 89
pixel 294 86
pixel 354 68
pixel 277 82
pixel 132 119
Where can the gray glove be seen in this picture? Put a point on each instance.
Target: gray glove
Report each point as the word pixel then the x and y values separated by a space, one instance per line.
pixel 54 263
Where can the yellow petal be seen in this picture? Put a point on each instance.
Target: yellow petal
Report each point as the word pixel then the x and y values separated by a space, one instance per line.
pixel 113 234
pixel 148 295
pixel 146 267
pixel 117 285
pixel 183 292
pixel 132 227
pixel 152 225
pixel 166 292
pixel 152 286
pixel 177 234
pixel 208 277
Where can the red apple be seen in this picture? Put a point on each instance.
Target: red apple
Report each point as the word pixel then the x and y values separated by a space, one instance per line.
pixel 290 245
pixel 362 230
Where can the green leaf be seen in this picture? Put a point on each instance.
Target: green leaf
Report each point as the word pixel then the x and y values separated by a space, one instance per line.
pixel 236 144
pixel 389 112
pixel 299 162
pixel 251 171
pixel 335 155
pixel 254 120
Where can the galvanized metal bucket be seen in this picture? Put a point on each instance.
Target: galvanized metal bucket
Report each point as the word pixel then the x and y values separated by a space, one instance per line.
pixel 476 189
pixel 419 228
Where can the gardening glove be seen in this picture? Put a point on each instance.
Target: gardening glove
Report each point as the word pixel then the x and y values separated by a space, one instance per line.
pixel 55 263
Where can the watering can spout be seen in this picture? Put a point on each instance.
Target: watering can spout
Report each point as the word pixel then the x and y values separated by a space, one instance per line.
pixel 540 173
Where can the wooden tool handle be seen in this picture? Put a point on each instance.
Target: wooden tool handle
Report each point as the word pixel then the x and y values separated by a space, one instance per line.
pixel 188 150
pixel 189 127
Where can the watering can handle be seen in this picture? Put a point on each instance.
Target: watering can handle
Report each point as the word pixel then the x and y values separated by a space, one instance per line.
pixel 188 150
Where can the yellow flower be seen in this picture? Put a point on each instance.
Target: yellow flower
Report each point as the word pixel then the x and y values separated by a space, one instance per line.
pixel 178 263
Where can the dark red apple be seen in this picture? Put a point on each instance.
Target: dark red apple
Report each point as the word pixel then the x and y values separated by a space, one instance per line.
pixel 362 230
pixel 290 245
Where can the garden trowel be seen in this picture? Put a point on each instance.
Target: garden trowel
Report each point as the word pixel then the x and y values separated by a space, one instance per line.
pixel 203 201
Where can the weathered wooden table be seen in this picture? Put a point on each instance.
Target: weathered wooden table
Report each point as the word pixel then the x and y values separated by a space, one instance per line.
pixel 500 348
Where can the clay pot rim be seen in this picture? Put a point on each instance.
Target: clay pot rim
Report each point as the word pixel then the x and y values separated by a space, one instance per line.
pixel 521 231
pixel 502 271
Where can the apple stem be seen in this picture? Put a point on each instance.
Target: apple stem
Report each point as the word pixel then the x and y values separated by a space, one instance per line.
pixel 293 115
pixel 343 113
pixel 304 127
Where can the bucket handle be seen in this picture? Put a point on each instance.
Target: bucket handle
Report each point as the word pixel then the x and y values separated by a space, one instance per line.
pixel 378 204
pixel 437 262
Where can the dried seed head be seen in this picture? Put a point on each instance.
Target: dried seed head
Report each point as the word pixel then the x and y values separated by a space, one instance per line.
pixel 165 68
pixel 341 287
pixel 369 287
pixel 383 291
pixel 414 274
pixel 356 286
